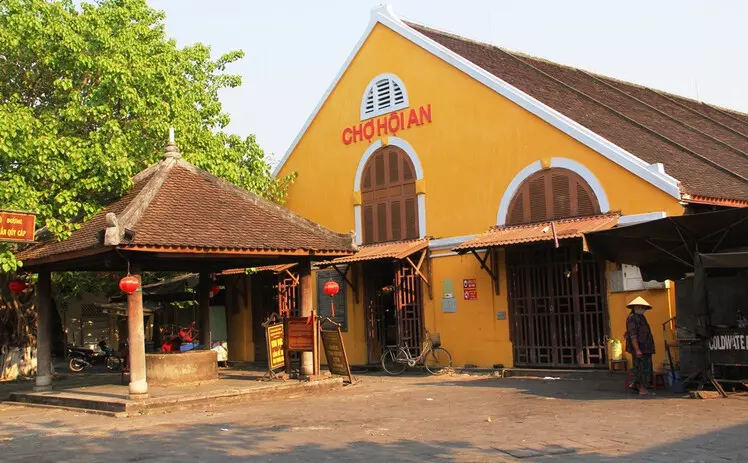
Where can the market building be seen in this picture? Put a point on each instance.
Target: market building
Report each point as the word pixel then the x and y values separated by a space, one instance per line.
pixel 470 174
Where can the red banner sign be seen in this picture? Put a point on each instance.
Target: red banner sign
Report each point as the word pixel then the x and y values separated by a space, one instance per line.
pixel 470 289
pixel 17 226
pixel 389 124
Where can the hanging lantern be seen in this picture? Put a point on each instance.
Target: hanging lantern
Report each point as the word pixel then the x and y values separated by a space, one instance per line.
pixel 129 284
pixel 331 288
pixel 214 290
pixel 16 286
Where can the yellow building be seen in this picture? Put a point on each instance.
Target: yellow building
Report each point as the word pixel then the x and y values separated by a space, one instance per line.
pixel 425 140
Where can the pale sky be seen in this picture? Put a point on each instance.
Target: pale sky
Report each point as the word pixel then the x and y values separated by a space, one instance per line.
pixel 294 48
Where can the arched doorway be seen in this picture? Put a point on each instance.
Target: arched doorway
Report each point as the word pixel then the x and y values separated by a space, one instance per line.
pixel 392 289
pixel 557 296
pixel 389 204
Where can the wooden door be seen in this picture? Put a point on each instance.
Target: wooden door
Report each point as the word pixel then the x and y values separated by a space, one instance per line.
pixel 408 308
pixel 558 306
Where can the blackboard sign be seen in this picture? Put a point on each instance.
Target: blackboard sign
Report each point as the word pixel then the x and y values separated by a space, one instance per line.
pixel 729 346
pixel 337 360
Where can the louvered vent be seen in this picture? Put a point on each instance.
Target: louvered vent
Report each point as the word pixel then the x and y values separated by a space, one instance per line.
pixel 386 93
pixel 552 194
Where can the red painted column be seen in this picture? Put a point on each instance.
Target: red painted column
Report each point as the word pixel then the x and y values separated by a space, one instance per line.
pixel 136 342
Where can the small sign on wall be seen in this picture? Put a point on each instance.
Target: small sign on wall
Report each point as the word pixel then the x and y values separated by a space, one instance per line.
pixel 470 289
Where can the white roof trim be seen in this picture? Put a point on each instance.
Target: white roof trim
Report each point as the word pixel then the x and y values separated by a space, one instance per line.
pixel 639 218
pixel 384 15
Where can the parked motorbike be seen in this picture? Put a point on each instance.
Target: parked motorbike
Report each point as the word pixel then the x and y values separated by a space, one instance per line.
pixel 80 358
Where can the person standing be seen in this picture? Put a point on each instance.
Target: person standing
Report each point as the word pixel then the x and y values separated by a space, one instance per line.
pixel 640 344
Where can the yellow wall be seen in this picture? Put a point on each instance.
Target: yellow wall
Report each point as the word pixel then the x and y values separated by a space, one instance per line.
pixel 473 334
pixel 662 311
pixel 239 325
pixel 475 145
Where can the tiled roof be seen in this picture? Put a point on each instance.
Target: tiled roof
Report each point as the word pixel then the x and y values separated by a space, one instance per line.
pixel 702 146
pixel 394 250
pixel 267 268
pixel 530 233
pixel 175 206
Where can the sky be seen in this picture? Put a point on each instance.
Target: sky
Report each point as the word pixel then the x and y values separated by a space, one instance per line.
pixel 294 48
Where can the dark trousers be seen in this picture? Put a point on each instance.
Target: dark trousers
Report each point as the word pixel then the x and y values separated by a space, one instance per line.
pixel 642 370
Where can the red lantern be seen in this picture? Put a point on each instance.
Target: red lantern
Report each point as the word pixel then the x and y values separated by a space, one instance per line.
pixel 331 288
pixel 214 290
pixel 16 286
pixel 129 284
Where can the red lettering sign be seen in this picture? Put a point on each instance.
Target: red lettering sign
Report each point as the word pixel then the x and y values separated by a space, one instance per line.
pixel 389 124
pixel 17 226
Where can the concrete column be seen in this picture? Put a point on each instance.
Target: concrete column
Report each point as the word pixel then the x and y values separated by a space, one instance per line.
pixel 136 342
pixel 44 332
pixel 305 310
pixel 203 294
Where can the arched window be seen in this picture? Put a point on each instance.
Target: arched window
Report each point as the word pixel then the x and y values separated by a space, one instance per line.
pixel 552 194
pixel 389 206
pixel 384 94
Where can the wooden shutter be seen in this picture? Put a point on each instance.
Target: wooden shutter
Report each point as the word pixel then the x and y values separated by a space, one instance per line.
pixel 538 206
pixel 517 209
pixel 561 195
pixel 552 194
pixel 368 213
pixel 388 194
pixel 411 219
pixel 585 204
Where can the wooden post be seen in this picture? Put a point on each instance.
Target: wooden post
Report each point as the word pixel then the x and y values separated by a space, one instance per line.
pixel 44 332
pixel 306 309
pixel 203 294
pixel 136 341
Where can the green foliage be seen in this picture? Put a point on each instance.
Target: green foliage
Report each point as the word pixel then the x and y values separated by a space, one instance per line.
pixel 87 96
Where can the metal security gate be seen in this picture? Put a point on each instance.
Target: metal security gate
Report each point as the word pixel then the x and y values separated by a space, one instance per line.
pixel 409 307
pixel 558 306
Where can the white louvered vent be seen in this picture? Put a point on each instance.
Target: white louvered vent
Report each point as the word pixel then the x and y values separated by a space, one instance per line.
pixel 384 94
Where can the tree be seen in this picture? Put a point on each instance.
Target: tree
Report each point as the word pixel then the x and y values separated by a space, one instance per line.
pixel 87 95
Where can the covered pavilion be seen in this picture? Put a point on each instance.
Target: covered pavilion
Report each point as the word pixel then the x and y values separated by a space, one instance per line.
pixel 183 219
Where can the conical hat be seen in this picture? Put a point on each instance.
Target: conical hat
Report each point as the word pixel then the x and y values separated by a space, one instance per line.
pixel 639 302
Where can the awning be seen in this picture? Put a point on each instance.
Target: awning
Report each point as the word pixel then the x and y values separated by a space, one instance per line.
pixel 725 260
pixel 530 233
pixel 664 249
pixel 395 250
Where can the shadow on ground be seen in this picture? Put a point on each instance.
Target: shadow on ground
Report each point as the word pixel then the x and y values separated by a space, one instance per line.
pixel 54 441
pixel 580 389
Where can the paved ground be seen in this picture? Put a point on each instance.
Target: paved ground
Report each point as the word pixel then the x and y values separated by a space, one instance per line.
pixel 416 418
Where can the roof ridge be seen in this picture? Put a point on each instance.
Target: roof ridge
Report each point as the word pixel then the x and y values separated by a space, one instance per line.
pixel 133 212
pixel 569 66
pixel 254 197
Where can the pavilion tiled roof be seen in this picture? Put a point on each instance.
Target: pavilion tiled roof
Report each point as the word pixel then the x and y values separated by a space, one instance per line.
pixel 703 146
pixel 393 250
pixel 535 232
pixel 176 207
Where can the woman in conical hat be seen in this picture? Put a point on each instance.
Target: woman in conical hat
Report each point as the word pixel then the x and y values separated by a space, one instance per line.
pixel 640 344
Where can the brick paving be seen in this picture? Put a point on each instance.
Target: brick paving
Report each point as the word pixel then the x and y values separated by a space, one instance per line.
pixel 411 418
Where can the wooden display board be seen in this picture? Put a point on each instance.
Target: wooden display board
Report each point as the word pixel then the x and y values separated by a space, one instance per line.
pixel 302 336
pixel 337 359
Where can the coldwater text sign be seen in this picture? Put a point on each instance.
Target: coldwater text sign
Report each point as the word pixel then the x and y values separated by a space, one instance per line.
pixel 17 226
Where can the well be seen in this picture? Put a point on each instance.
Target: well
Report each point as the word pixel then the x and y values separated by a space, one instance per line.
pixel 172 368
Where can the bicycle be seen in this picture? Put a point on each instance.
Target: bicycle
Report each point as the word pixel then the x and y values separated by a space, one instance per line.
pixel 435 358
